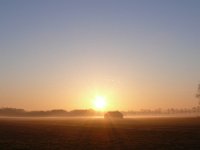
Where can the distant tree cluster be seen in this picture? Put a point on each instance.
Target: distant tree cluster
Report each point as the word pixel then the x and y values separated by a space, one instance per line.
pixel 163 112
pixel 14 112
pixel 50 113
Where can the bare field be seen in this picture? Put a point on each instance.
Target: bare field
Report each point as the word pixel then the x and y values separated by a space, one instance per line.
pixel 97 133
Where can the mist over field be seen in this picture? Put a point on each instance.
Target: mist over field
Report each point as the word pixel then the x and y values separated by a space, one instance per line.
pixel 14 112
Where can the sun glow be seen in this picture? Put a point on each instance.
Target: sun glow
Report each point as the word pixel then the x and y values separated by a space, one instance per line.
pixel 99 102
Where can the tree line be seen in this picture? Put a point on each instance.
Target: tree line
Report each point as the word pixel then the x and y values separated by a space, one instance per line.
pixel 15 112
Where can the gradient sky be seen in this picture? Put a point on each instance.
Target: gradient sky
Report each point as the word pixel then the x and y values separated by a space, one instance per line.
pixel 136 53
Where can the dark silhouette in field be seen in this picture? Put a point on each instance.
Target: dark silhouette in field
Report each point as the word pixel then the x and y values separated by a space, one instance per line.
pixel 113 115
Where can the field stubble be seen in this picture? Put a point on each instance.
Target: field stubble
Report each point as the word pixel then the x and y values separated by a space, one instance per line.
pixel 97 133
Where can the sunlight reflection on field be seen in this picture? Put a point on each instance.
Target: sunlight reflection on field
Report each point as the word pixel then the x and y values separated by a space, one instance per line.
pixel 99 133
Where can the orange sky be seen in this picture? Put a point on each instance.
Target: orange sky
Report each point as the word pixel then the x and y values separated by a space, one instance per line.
pixel 137 54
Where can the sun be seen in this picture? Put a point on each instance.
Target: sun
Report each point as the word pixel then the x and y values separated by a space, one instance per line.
pixel 99 102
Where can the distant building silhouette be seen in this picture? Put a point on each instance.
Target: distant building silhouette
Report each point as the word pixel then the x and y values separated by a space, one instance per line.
pixel 113 114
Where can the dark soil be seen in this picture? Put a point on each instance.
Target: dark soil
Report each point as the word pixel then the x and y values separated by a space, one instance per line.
pixel 97 133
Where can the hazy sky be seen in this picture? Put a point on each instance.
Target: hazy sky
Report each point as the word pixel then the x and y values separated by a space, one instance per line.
pixel 136 53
